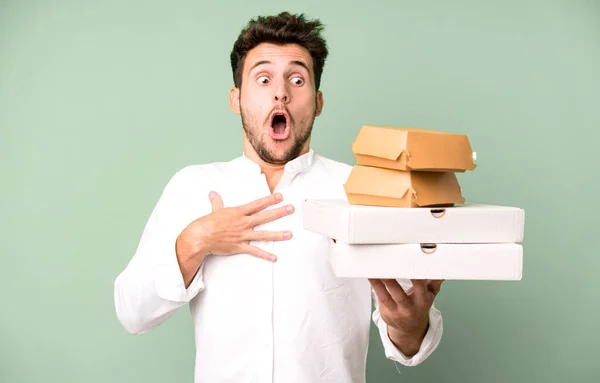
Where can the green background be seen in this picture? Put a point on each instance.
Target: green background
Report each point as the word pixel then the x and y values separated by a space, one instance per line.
pixel 100 104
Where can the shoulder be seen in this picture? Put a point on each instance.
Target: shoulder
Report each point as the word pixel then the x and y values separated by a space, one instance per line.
pixel 193 172
pixel 196 175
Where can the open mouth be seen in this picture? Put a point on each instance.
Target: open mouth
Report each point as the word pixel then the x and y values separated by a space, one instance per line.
pixel 279 127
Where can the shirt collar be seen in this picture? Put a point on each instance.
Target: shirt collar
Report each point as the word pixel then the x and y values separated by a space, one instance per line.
pixel 295 166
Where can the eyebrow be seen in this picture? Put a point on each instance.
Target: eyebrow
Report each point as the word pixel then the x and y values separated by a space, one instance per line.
pixel 294 62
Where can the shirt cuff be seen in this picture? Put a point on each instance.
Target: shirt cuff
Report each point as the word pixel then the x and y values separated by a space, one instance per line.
pixel 428 346
pixel 169 282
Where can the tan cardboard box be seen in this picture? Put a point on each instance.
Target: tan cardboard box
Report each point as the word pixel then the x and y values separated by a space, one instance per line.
pixel 375 186
pixel 412 149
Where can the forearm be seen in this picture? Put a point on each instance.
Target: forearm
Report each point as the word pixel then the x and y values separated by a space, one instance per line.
pixel 189 268
pixel 189 259
pixel 155 284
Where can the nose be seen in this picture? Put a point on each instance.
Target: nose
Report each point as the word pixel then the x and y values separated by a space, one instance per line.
pixel 281 94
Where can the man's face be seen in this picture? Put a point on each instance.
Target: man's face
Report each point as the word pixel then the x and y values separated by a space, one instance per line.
pixel 278 101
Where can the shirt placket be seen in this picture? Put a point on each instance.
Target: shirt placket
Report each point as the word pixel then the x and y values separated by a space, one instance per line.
pixel 283 187
pixel 267 341
pixel 267 348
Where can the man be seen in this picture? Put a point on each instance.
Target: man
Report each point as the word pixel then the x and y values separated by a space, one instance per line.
pixel 227 238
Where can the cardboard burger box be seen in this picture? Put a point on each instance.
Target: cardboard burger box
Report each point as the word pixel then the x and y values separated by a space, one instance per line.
pixel 407 167
pixel 411 149
pixel 405 216
pixel 373 186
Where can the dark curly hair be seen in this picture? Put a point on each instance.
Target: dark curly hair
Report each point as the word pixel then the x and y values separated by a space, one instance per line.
pixel 284 28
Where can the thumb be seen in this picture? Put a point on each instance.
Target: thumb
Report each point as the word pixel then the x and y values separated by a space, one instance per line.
pixel 215 201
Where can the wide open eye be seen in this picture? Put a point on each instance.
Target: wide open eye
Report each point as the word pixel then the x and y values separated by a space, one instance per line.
pixel 298 80
pixel 263 80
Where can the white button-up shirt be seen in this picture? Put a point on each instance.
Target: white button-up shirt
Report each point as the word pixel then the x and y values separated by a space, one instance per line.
pixel 258 321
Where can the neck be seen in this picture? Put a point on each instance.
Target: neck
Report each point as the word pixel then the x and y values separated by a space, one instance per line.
pixel 272 172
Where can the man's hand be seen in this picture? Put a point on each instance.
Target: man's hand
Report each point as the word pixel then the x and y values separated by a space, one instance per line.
pixel 406 312
pixel 228 231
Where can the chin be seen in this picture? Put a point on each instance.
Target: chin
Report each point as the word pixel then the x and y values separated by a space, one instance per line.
pixel 280 155
pixel 277 154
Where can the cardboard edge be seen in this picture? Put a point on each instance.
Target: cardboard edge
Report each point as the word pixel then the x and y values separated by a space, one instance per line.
pixel 365 130
pixel 379 162
pixel 519 265
pixel 317 207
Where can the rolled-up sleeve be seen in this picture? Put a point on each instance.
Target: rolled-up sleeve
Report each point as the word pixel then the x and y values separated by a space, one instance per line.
pixel 429 344
pixel 151 287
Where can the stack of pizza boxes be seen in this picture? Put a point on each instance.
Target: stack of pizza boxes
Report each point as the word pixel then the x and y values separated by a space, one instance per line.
pixel 404 215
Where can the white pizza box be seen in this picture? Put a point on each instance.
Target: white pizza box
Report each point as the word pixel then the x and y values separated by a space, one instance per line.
pixel 503 261
pixel 362 224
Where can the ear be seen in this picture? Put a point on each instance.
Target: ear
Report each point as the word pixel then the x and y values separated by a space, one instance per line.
pixel 234 100
pixel 319 103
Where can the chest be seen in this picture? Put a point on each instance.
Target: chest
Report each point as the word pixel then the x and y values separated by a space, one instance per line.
pixel 302 260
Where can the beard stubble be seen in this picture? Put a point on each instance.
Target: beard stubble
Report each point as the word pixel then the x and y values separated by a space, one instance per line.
pixel 258 138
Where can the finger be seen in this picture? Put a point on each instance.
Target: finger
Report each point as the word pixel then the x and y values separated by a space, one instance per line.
pixel 216 201
pixel 435 286
pixel 271 214
pixel 261 203
pixel 419 287
pixel 257 252
pixel 396 291
pixel 261 235
pixel 383 295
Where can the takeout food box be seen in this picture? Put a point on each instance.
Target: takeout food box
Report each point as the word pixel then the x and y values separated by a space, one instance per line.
pixel 469 242
pixel 375 233
pixel 411 149
pixel 367 185
pixel 502 261
pixel 360 224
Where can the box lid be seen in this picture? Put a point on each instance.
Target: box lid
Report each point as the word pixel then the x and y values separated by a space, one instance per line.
pixel 360 224
pixel 412 149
